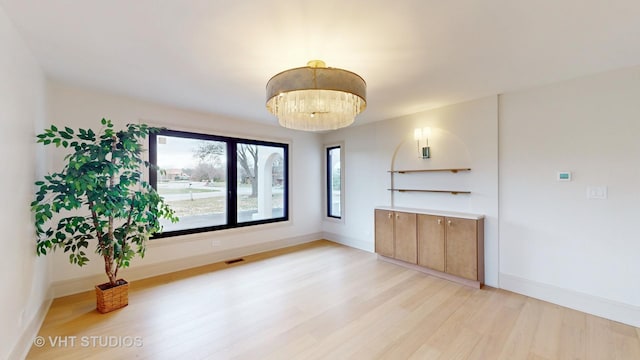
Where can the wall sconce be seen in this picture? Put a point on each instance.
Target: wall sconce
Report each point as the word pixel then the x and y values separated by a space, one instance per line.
pixel 421 135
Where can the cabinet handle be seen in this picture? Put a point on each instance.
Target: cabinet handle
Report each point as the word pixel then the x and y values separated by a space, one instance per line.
pixel 449 222
pixel 389 215
pixel 397 216
pixel 439 221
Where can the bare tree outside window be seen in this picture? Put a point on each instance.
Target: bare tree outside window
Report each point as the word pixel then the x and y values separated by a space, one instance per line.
pixel 247 158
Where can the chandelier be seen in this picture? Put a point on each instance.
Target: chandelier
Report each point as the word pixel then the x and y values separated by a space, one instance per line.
pixel 316 97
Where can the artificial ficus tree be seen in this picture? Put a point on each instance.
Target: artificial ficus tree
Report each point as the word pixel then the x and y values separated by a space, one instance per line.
pixel 100 195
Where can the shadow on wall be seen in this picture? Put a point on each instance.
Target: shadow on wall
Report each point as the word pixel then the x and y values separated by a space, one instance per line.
pixel 447 151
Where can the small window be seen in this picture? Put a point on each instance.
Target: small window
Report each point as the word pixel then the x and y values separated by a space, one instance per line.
pixel 334 182
pixel 216 182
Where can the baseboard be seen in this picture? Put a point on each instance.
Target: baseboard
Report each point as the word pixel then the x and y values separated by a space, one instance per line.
pixel 349 241
pixel 78 285
pixel 22 347
pixel 609 309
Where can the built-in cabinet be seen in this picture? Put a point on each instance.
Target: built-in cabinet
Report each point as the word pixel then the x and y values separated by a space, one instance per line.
pixel 462 251
pixel 430 234
pixel 405 237
pixel 385 237
pixel 449 245
pixel 396 236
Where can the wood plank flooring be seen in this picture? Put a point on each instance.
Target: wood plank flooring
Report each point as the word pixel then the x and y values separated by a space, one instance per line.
pixel 324 301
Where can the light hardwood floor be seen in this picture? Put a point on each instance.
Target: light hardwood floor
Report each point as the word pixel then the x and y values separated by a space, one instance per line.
pixel 322 300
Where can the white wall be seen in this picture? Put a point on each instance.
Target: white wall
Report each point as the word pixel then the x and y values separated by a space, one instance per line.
pixel 554 243
pixel 463 135
pixel 79 107
pixel 24 278
pixel 549 242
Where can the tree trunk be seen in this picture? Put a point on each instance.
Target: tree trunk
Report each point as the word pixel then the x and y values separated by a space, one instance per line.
pixel 254 179
pixel 108 269
pixel 254 187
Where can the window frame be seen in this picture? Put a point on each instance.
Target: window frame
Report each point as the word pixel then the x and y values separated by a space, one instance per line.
pixel 329 183
pixel 232 175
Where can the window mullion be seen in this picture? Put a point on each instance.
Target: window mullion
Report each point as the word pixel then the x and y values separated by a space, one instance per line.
pixel 153 160
pixel 328 181
pixel 232 183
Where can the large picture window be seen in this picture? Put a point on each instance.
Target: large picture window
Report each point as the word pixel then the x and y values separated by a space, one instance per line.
pixel 216 182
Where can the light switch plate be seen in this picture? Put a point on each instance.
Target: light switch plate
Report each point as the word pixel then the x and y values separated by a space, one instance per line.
pixel 597 192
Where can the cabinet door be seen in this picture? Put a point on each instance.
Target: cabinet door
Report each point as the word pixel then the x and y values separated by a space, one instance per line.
pixel 431 241
pixel 406 242
pixel 384 232
pixel 462 247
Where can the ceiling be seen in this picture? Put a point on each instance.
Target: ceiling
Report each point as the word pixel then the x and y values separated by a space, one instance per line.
pixel 216 56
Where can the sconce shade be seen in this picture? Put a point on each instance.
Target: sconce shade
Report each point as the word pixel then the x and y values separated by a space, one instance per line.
pixel 417 134
pixel 421 133
pixel 316 97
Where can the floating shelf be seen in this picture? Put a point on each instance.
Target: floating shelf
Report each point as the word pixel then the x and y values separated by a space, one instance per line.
pixel 428 170
pixel 452 192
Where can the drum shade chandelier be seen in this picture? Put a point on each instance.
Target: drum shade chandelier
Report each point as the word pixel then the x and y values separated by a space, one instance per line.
pixel 316 97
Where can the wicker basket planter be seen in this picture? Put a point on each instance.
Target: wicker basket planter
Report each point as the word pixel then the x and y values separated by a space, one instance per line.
pixel 112 298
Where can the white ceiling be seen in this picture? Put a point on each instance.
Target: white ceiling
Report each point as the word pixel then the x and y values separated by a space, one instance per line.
pixel 217 55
